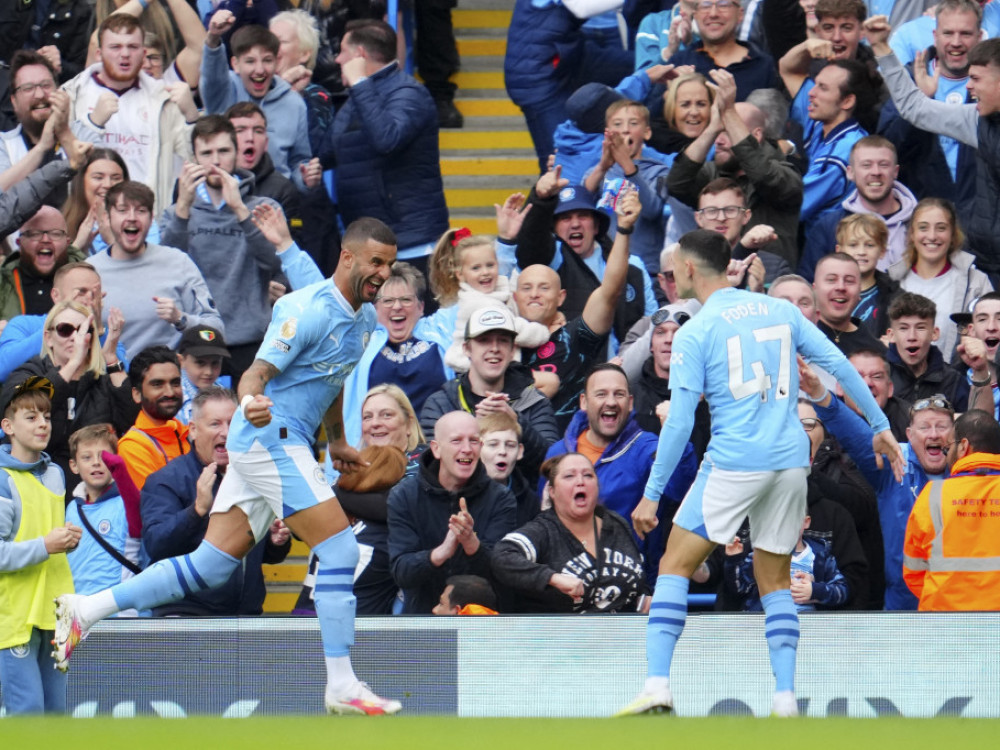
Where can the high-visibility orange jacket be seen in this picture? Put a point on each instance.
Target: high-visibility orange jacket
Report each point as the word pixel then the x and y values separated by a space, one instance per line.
pixel 951 554
pixel 147 446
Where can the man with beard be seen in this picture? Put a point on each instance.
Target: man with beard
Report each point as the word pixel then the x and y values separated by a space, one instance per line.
pixel 113 104
pixel 772 185
pixel 316 336
pixel 935 165
pixel 159 290
pixel 211 221
pixel 26 276
pixel 156 437
pixel 873 168
pixel 606 431
pixel 176 502
pixel 838 289
pixel 35 98
pixel 930 436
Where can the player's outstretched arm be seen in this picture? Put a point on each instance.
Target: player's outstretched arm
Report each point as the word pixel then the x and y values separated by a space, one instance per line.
pixel 884 444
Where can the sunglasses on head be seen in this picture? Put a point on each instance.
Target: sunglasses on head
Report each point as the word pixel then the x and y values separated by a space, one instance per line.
pixel 65 330
pixel 668 316
pixel 937 401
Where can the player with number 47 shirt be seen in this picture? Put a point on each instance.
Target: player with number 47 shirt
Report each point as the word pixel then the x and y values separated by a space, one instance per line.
pixel 741 352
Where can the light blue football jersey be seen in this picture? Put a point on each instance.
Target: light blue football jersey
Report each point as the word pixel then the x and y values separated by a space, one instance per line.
pixel 315 339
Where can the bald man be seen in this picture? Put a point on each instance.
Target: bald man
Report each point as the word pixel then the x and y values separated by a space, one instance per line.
pixel 445 518
pixel 772 185
pixel 26 275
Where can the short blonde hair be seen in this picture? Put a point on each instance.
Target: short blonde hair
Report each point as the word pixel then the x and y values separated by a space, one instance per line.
pixel 396 393
pixel 670 98
pixel 867 225
pixel 95 362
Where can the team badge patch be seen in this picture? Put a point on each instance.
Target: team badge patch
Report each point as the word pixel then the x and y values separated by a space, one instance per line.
pixel 206 335
pixel 20 652
pixel 288 328
pixel 320 475
pixel 567 194
pixel 629 292
pixel 104 527
pixel 364 340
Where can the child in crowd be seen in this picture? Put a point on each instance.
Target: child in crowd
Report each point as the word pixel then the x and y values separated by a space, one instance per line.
pixel 466 595
pixel 816 579
pixel 464 271
pixel 500 438
pixel 106 505
pixel 865 238
pixel 917 367
pixel 34 536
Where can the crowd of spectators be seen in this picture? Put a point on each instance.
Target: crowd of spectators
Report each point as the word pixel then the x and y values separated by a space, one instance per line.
pixel 158 195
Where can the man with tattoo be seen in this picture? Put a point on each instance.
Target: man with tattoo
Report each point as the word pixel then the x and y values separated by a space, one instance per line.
pixel 316 336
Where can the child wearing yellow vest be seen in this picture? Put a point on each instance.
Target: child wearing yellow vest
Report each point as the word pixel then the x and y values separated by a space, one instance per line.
pixel 34 538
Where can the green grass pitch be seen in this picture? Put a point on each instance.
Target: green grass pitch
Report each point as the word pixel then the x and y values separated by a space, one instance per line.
pixel 448 733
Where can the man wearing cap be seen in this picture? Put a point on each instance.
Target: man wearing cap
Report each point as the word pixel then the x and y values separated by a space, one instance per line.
pixel 201 352
pixel 496 383
pixel 565 231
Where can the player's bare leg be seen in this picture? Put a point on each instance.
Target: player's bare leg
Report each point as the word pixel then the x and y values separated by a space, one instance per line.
pixel 667 614
pixel 781 625
pixel 325 529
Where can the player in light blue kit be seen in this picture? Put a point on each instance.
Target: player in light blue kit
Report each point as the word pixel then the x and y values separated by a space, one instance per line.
pixel 740 351
pixel 316 336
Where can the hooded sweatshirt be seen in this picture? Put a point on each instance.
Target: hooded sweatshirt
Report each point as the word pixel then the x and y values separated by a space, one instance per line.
pixel 236 260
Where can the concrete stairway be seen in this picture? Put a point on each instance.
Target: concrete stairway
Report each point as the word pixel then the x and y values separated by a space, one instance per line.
pixel 483 163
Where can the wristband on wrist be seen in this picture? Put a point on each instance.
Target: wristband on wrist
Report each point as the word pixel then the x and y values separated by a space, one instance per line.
pixel 118 366
pixel 826 392
pixel 634 173
pixel 982 383
pixel 243 403
pixel 626 232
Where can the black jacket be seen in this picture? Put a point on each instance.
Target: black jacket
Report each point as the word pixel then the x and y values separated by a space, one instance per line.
pixel 419 509
pixel 649 390
pixel 536 243
pixel 525 560
pixel 937 378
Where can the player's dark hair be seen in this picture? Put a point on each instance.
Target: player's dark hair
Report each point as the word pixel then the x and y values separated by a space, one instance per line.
pixel 248 37
pixel 366 228
pixel 606 367
pixel 151 355
pixel 980 429
pixel 908 304
pixel 470 589
pixel 710 249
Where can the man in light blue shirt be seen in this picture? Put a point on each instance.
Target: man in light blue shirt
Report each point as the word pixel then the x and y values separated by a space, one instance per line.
pixel 316 336
pixel 740 352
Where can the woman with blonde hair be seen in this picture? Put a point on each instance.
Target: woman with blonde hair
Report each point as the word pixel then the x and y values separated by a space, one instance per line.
pixel 90 383
pixel 935 266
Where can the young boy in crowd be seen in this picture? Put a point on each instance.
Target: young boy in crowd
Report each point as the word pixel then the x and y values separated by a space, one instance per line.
pixel 865 238
pixel 500 438
pixel 623 160
pixel 201 351
pixel 106 505
pixel 917 368
pixel 816 579
pixel 466 595
pixel 34 538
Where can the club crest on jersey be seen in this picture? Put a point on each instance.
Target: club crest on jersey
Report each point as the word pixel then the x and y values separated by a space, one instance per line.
pixel 364 340
pixel 288 328
pixel 629 292
pixel 104 527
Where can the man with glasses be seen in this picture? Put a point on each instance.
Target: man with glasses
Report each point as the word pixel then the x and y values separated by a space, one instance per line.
pixel 718 22
pixel 26 275
pixel 722 208
pixel 159 289
pixel 930 437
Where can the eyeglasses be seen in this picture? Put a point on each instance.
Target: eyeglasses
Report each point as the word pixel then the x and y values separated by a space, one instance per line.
pixel 667 275
pixel 712 212
pixel 29 88
pixel 811 423
pixel 723 5
pixel 65 330
pixel 407 301
pixel 52 234
pixel 937 401
pixel 663 315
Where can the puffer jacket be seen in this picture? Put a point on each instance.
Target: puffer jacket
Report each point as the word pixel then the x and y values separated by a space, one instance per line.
pixel 544 51
pixel 385 142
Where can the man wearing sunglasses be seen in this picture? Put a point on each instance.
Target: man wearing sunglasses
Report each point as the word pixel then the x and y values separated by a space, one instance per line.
pixel 26 275
pixel 930 438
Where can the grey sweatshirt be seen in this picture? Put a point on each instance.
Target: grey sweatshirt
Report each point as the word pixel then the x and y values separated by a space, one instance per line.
pixel 158 272
pixel 236 260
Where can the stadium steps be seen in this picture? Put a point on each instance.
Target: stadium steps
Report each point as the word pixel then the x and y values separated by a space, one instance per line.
pixel 284 581
pixel 492 156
